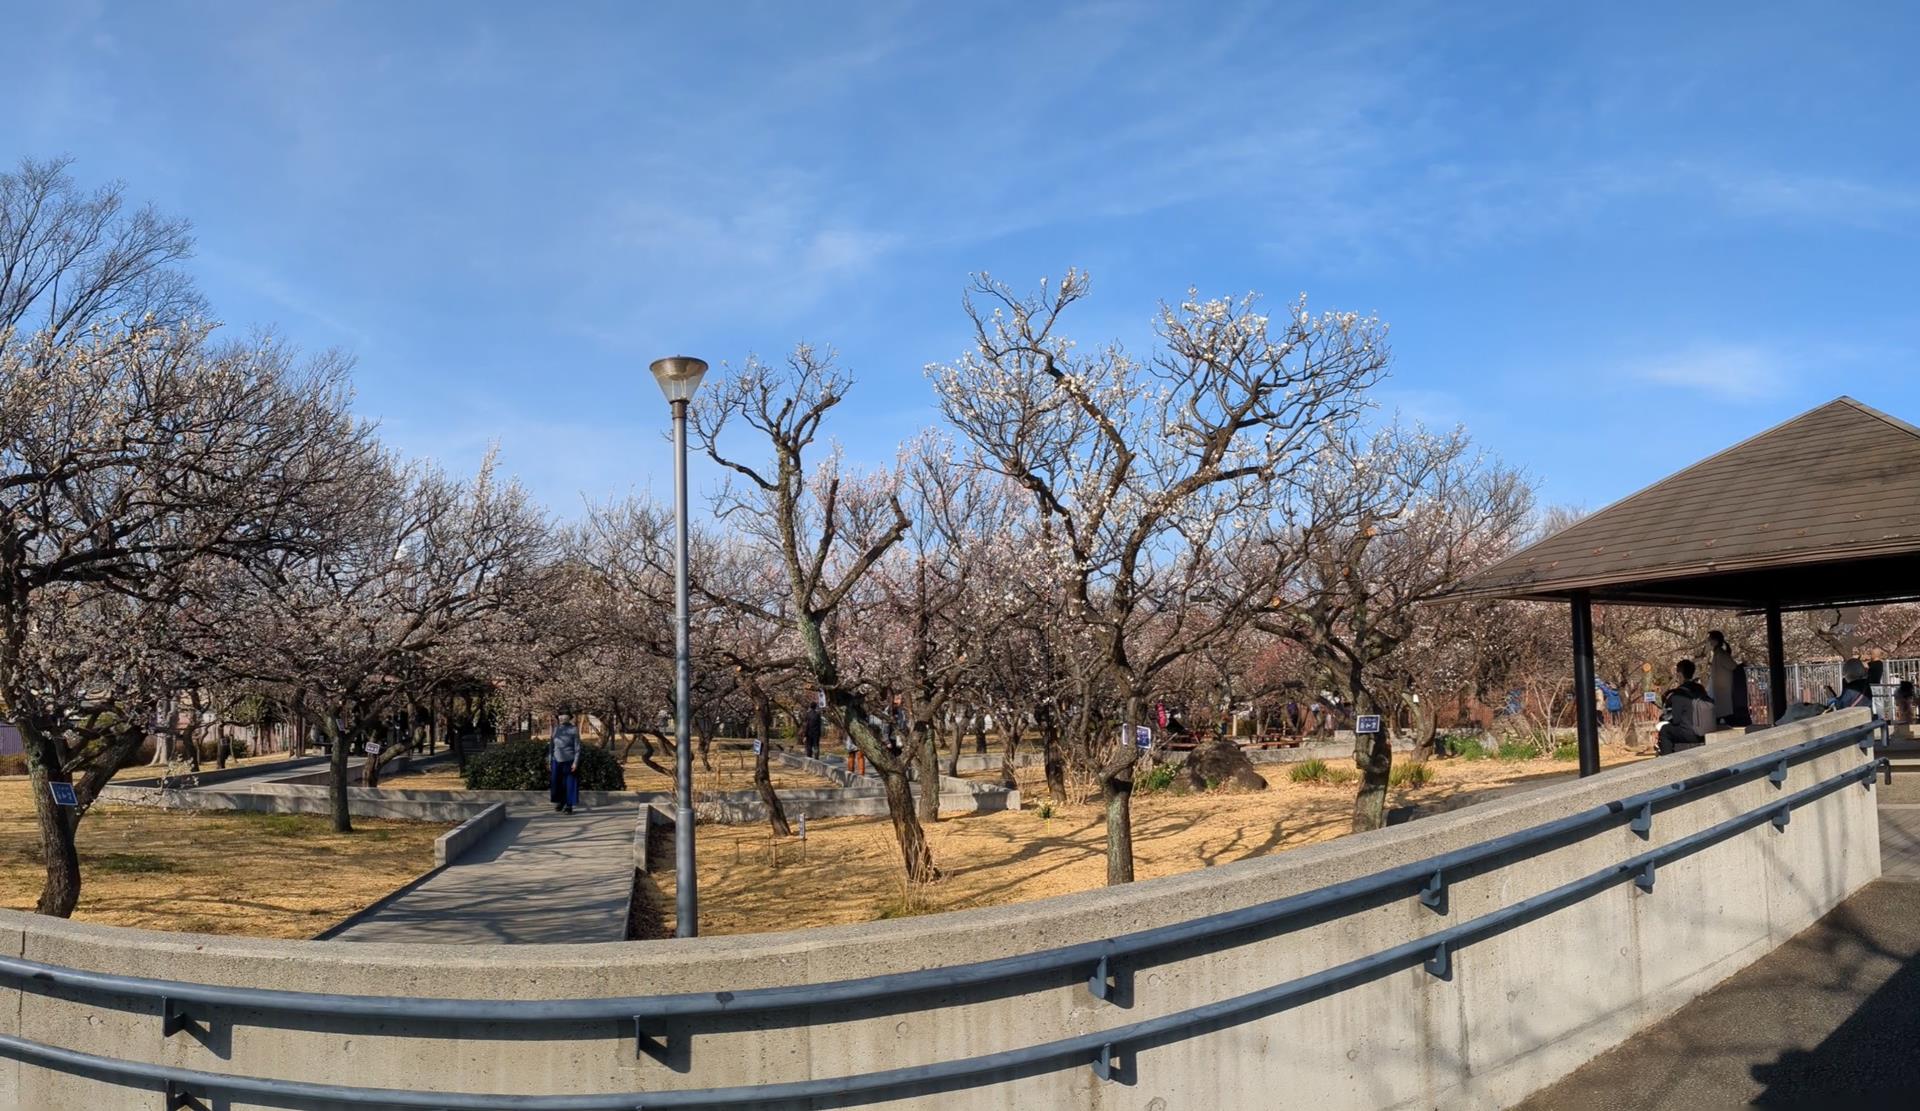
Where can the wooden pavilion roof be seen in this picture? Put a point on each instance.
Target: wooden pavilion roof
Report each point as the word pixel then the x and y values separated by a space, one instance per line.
pixel 1822 510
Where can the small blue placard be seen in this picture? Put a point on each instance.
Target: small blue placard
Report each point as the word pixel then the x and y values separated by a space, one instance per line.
pixel 1367 723
pixel 1142 736
pixel 63 794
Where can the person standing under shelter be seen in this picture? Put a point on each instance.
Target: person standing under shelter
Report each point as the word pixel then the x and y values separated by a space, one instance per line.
pixel 1720 677
pixel 563 764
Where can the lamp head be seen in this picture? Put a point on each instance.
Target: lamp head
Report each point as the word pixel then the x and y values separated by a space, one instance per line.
pixel 679 376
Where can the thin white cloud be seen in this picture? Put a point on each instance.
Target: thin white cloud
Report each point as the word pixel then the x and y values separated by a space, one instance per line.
pixel 1723 372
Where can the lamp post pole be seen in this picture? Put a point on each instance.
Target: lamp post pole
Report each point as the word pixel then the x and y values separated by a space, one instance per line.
pixel 679 377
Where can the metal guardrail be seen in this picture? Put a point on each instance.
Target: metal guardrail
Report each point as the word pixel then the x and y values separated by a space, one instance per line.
pixel 1427 879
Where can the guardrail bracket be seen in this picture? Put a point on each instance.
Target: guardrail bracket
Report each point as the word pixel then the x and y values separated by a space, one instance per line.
pixel 1101 983
pixel 646 1045
pixel 1781 817
pixel 1643 879
pixel 173 1017
pixel 1103 1064
pixel 1642 823
pixel 1778 776
pixel 179 1099
pixel 1440 964
pixel 1434 894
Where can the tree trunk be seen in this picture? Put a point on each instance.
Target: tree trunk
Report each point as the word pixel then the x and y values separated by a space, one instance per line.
pixel 1116 790
pixel 1050 749
pixel 907 830
pixel 980 734
pixel 1373 755
pixel 762 777
pixel 704 730
pixel 60 891
pixel 928 756
pixel 1007 777
pixel 337 774
pixel 956 725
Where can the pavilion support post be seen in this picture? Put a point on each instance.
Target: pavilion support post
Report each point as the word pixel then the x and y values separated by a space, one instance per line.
pixel 1586 716
pixel 1776 665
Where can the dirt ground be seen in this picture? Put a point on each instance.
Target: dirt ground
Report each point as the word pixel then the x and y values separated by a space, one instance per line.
pixel 261 875
pixel 848 869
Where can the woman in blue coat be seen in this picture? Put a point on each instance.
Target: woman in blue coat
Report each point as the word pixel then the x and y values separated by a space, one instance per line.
pixel 563 764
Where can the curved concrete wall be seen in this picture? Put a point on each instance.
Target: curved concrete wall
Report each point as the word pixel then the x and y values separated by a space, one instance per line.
pixel 1521 1009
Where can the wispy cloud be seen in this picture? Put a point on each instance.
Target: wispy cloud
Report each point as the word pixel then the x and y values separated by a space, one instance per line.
pixel 1721 371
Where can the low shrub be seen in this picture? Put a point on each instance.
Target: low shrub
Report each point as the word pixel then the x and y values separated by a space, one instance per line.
pixel 1410 775
pixel 1467 747
pixel 1567 751
pixel 1518 750
pixel 522 766
pixel 1157 778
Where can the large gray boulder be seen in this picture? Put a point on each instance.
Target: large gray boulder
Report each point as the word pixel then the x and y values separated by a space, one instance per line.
pixel 1219 763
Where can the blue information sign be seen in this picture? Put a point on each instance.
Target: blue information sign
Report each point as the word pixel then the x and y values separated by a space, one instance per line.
pixel 63 794
pixel 1142 736
pixel 1367 723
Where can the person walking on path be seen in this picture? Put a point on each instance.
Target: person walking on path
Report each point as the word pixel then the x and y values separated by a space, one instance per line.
pixel 810 729
pixel 563 764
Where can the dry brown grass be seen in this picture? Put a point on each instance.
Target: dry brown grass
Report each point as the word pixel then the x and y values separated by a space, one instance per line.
pixel 849 869
pixel 262 875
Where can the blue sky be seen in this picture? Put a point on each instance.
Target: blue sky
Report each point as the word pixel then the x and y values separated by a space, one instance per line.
pixel 1609 240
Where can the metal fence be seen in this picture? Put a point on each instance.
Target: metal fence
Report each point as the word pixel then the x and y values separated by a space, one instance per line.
pixel 650 1019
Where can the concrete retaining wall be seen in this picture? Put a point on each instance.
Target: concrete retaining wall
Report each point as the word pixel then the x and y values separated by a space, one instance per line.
pixel 449 846
pixel 1521 1008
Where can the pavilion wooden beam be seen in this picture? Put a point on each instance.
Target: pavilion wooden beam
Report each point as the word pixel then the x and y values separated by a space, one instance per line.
pixel 1776 665
pixel 1586 716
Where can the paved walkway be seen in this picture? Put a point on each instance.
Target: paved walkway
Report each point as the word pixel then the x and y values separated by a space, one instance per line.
pixel 540 877
pixel 1830 1019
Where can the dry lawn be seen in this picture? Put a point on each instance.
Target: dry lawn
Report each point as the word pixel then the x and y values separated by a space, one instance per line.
pixel 848 870
pixel 262 875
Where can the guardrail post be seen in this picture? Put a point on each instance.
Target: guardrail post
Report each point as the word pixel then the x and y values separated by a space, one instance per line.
pixel 179 1099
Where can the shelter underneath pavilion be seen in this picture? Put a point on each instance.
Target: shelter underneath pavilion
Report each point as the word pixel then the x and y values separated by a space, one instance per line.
pixel 1821 511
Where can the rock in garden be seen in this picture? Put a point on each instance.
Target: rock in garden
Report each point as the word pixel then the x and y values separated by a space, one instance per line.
pixel 1220 763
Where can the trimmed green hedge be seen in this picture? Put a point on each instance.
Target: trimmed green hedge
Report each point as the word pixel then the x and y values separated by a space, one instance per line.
pixel 522 766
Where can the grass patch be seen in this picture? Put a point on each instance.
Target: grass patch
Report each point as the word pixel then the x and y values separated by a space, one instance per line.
pixel 1410 775
pixel 1568 751
pixel 1511 751
pixel 130 864
pixel 282 825
pixel 1310 771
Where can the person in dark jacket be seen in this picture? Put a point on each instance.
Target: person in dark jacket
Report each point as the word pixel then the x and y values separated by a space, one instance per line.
pixel 563 764
pixel 1676 724
pixel 810 731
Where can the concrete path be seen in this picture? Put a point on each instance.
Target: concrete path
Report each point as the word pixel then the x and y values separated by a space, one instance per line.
pixel 1830 1019
pixel 540 878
